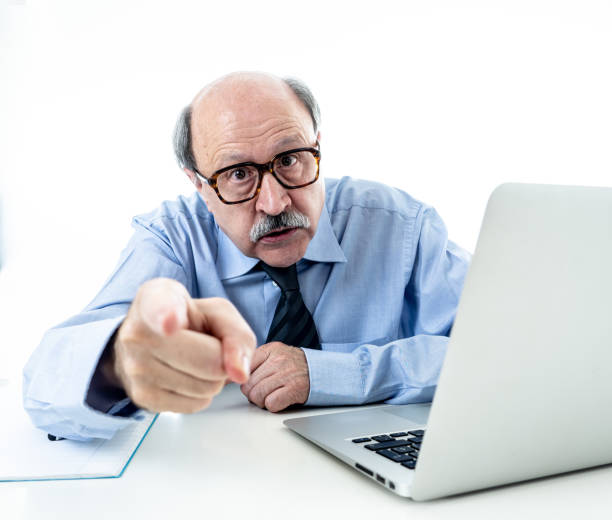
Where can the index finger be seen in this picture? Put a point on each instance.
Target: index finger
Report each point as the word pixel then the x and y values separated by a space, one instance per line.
pixel 162 305
pixel 222 320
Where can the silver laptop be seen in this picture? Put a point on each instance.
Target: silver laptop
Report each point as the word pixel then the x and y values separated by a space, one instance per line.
pixel 526 386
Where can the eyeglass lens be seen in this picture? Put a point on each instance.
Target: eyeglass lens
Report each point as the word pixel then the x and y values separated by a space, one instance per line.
pixel 293 169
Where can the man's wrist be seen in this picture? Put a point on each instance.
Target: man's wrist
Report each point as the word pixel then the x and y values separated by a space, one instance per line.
pixel 107 364
pixel 105 389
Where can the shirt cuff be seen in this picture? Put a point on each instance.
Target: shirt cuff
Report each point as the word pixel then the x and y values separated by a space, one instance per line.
pixel 102 395
pixel 55 397
pixel 327 386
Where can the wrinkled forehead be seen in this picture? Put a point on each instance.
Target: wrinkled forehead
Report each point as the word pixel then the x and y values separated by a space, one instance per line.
pixel 239 120
pixel 247 101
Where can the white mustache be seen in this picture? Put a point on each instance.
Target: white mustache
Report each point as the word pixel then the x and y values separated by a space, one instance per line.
pixel 270 223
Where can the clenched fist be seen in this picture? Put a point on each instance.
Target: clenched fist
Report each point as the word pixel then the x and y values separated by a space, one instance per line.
pixel 279 377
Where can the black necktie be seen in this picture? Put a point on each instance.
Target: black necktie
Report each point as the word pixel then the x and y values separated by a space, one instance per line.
pixel 292 323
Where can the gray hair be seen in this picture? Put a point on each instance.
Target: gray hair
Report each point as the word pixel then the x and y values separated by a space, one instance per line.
pixel 182 131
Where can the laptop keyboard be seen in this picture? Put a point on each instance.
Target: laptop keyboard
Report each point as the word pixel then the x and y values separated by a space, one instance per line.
pixel 400 447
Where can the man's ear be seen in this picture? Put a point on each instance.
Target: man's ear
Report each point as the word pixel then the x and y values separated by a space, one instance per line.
pixel 198 184
pixel 193 178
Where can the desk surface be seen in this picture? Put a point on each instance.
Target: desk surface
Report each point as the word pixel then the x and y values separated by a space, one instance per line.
pixel 235 460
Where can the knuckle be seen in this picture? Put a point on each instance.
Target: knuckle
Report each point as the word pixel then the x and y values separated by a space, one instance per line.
pixel 256 398
pixel 266 351
pixel 217 386
pixel 272 404
pixel 193 406
pixel 132 335
pixel 128 333
pixel 127 368
pixel 185 408
pixel 176 407
pixel 207 389
pixel 132 368
pixel 203 404
pixel 253 395
pixel 141 397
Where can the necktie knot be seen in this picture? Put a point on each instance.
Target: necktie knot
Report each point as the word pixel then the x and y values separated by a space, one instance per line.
pixel 285 277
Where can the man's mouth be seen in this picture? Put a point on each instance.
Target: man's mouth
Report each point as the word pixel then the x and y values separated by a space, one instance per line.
pixel 278 234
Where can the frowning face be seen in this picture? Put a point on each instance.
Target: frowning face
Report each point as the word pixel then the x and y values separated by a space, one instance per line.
pixel 254 119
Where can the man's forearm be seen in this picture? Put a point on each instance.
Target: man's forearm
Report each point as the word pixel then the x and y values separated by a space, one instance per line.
pixel 400 372
pixel 58 378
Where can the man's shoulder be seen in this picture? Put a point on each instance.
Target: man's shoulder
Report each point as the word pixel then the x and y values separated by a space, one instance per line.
pixel 172 212
pixel 347 193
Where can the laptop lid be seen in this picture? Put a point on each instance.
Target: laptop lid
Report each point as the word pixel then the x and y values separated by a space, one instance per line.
pixel 526 387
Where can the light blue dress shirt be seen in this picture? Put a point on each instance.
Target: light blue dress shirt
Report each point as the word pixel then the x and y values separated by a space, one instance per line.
pixel 380 278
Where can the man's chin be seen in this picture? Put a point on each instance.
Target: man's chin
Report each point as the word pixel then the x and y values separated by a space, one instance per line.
pixel 282 253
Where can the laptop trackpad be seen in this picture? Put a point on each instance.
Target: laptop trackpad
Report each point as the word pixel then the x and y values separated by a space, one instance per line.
pixel 417 413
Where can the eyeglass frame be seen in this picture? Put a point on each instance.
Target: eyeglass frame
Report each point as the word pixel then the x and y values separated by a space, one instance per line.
pixel 261 170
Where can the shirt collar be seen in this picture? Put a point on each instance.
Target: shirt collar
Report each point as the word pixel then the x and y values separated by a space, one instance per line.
pixel 323 247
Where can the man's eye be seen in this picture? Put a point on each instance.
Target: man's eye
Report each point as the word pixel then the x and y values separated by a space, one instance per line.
pixel 239 174
pixel 288 160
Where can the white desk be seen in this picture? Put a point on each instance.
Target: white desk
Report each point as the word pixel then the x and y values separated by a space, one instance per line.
pixel 237 461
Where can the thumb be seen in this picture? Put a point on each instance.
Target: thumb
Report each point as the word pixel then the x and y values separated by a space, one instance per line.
pixel 223 321
pixel 163 306
pixel 236 359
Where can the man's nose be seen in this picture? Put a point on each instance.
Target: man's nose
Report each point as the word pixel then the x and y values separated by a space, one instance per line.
pixel 273 198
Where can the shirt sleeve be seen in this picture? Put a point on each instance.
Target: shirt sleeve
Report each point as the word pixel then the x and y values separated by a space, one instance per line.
pixel 58 375
pixel 405 370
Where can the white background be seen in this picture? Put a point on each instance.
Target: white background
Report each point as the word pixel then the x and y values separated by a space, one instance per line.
pixel 442 99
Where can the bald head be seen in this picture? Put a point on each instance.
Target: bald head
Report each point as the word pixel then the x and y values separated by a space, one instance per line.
pixel 236 93
pixel 243 105
pixel 240 87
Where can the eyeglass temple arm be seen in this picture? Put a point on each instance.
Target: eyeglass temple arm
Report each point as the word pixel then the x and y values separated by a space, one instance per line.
pixel 201 177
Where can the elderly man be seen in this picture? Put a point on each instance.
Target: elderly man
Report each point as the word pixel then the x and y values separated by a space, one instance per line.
pixel 348 287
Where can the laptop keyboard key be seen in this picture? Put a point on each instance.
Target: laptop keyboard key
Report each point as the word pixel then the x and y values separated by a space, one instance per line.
pixel 399 434
pixel 395 457
pixel 402 449
pixel 361 439
pixel 385 445
pixel 409 464
pixel 418 433
pixel 382 438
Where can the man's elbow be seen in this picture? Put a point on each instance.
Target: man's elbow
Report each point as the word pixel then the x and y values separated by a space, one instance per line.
pixel 50 421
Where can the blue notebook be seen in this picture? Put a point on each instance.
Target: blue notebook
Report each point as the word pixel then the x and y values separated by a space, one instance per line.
pixel 27 454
